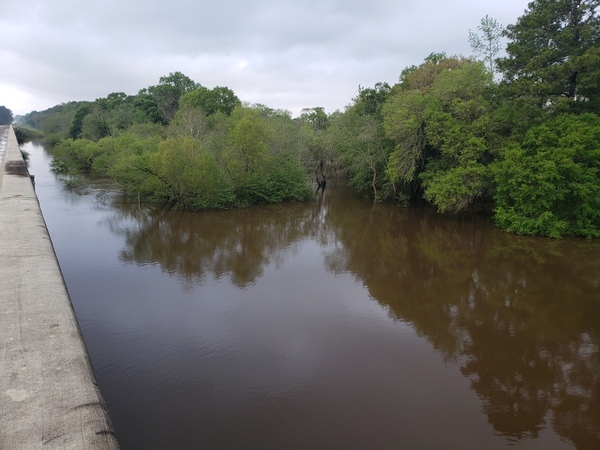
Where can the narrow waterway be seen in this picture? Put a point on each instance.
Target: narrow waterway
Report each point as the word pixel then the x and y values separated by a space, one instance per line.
pixel 333 324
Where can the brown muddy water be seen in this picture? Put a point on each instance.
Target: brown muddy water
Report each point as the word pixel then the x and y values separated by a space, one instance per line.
pixel 333 324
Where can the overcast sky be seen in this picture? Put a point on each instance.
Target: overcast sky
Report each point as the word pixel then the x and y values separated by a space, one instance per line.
pixel 286 54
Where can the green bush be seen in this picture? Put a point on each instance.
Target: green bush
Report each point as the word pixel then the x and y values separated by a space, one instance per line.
pixel 188 173
pixel 453 190
pixel 550 184
pixel 75 155
pixel 191 177
pixel 283 181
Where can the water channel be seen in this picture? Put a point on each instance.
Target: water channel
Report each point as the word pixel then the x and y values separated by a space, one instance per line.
pixel 333 324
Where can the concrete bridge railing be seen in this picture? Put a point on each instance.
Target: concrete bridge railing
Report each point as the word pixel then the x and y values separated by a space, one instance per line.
pixel 49 396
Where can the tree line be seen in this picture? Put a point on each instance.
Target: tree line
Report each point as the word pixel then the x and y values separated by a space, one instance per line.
pixel 6 115
pixel 518 135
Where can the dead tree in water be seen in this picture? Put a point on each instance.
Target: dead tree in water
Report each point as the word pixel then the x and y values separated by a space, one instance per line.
pixel 321 184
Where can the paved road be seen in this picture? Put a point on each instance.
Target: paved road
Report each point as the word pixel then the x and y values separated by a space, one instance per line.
pixel 48 392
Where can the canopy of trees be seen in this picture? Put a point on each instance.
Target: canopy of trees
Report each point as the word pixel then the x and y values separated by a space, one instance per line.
pixel 518 135
pixel 6 115
pixel 197 162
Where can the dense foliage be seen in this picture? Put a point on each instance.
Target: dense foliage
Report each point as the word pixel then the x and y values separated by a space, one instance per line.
pixel 214 162
pixel 517 135
pixel 440 120
pixel 25 133
pixel 6 115
pixel 553 57
pixel 550 183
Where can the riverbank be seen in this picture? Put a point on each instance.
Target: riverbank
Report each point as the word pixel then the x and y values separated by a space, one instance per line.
pixel 49 393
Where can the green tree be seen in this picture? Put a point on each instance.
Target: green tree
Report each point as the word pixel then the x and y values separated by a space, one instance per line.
pixel 216 139
pixel 6 116
pixel 211 100
pixel 249 136
pixel 94 126
pixel 459 125
pixel 364 151
pixel 118 112
pixel 360 142
pixel 259 170
pixel 56 121
pixel 370 101
pixel 168 92
pixel 550 184
pixel 76 128
pixel 285 132
pixel 146 107
pixel 404 123
pixel 192 178
pixel 554 55
pixel 440 120
pixel 315 149
pixel 73 155
pixel 404 117
pixel 316 117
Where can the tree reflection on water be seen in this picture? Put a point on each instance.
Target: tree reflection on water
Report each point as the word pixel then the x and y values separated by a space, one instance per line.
pixel 519 315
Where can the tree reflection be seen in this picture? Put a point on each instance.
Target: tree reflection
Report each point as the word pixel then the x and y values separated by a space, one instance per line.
pixel 519 315
pixel 236 244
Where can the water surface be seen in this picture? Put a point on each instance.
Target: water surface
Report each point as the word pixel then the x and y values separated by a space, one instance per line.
pixel 333 324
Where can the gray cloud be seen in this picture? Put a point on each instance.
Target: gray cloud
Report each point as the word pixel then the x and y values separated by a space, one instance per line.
pixel 285 54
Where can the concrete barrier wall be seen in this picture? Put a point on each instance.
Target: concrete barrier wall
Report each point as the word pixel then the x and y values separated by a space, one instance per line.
pixel 3 137
pixel 49 396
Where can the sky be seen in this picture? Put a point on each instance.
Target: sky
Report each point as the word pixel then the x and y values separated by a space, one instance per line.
pixel 285 54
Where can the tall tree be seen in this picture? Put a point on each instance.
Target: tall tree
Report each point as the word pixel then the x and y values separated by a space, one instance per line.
pixel 168 92
pixel 486 43
pixel 249 136
pixel 404 116
pixel 316 117
pixel 315 150
pixel 361 143
pixel 82 110
pixel 364 150
pixel 554 54
pixel 370 101
pixel 440 120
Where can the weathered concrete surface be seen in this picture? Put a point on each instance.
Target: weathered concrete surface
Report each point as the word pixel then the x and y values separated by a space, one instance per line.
pixel 48 394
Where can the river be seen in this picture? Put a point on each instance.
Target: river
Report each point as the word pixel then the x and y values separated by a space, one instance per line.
pixel 333 324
